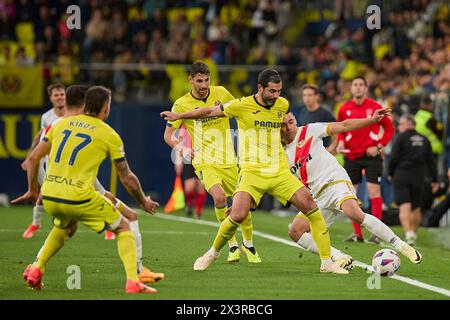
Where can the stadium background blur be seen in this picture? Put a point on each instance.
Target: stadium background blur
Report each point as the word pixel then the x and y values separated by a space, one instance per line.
pixel 141 50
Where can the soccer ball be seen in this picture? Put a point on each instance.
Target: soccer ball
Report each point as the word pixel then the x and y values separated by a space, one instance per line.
pixel 386 262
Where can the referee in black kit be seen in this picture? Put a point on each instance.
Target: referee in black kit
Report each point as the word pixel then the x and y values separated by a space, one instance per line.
pixel 411 154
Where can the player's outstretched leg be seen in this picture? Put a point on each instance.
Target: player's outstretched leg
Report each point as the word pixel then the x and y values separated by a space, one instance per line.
pixel 302 236
pixel 127 252
pixel 144 273
pixel 304 202
pixel 55 240
pixel 299 231
pixel 379 229
pixel 241 207
pixel 234 254
pixel 221 210
pixel 247 234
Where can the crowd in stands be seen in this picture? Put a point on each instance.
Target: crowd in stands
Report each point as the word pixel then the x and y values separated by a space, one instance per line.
pixel 127 45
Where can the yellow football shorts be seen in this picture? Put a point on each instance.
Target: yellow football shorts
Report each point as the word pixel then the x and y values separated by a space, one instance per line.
pixel 281 185
pixel 98 213
pixel 227 177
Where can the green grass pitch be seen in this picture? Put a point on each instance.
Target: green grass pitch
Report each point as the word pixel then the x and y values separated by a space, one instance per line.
pixel 172 246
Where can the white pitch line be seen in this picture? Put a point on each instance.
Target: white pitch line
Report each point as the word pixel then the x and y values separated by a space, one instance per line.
pixel 359 264
pixel 142 231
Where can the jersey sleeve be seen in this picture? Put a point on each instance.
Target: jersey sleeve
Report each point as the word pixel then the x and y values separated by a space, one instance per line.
pixel 232 108
pixel 115 147
pixel 319 129
pixel 176 108
pixel 48 134
pixel 43 122
pixel 227 96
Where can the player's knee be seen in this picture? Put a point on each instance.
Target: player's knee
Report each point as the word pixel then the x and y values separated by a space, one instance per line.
pixel 238 216
pixel 308 204
pixel 294 232
pixel 220 200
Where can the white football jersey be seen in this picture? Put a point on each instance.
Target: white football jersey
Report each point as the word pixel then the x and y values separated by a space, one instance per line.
pixel 310 161
pixel 48 118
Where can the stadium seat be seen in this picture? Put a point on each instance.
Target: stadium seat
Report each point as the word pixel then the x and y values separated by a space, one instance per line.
pixel 191 13
pixel 25 32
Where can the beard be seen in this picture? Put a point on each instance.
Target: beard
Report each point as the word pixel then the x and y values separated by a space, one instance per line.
pixel 269 102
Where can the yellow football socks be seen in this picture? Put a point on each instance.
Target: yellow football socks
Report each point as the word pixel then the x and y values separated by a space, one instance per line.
pixel 227 230
pixel 55 241
pixel 220 215
pixel 247 228
pixel 127 252
pixel 319 232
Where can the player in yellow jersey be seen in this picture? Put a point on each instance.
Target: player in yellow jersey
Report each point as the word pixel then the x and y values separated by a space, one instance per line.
pixel 74 105
pixel 77 145
pixel 214 158
pixel 263 166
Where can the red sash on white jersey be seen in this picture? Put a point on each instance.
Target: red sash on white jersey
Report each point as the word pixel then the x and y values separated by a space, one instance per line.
pixel 301 154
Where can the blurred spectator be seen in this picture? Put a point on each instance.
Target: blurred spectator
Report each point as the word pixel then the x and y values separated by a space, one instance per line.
pixel 22 59
pixel 312 112
pixel 180 25
pixel 218 36
pixel 6 58
pixel 95 31
pixel 177 49
pixel 428 126
pixel 411 155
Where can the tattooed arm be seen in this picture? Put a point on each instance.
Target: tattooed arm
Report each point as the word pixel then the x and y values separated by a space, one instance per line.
pixel 131 182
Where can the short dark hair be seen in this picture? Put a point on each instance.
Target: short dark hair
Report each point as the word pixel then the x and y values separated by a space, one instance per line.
pixel 96 97
pixel 410 118
pixel 268 75
pixel 310 86
pixel 55 86
pixel 75 96
pixel 425 99
pixel 362 78
pixel 199 67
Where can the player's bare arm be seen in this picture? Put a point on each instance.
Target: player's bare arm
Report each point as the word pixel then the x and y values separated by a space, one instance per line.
pixel 133 186
pixel 215 111
pixel 42 149
pixel 174 143
pixel 354 124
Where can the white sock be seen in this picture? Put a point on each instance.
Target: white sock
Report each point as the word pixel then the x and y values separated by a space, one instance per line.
pixel 410 234
pixel 134 226
pixel 306 242
pixel 213 251
pixel 379 229
pixel 248 243
pixel 38 212
pixel 325 263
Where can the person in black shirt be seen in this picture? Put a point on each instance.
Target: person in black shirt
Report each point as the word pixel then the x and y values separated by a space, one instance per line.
pixel 312 112
pixel 411 153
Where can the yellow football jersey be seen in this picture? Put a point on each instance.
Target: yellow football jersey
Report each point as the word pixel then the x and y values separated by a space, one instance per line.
pixel 79 144
pixel 211 137
pixel 259 133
